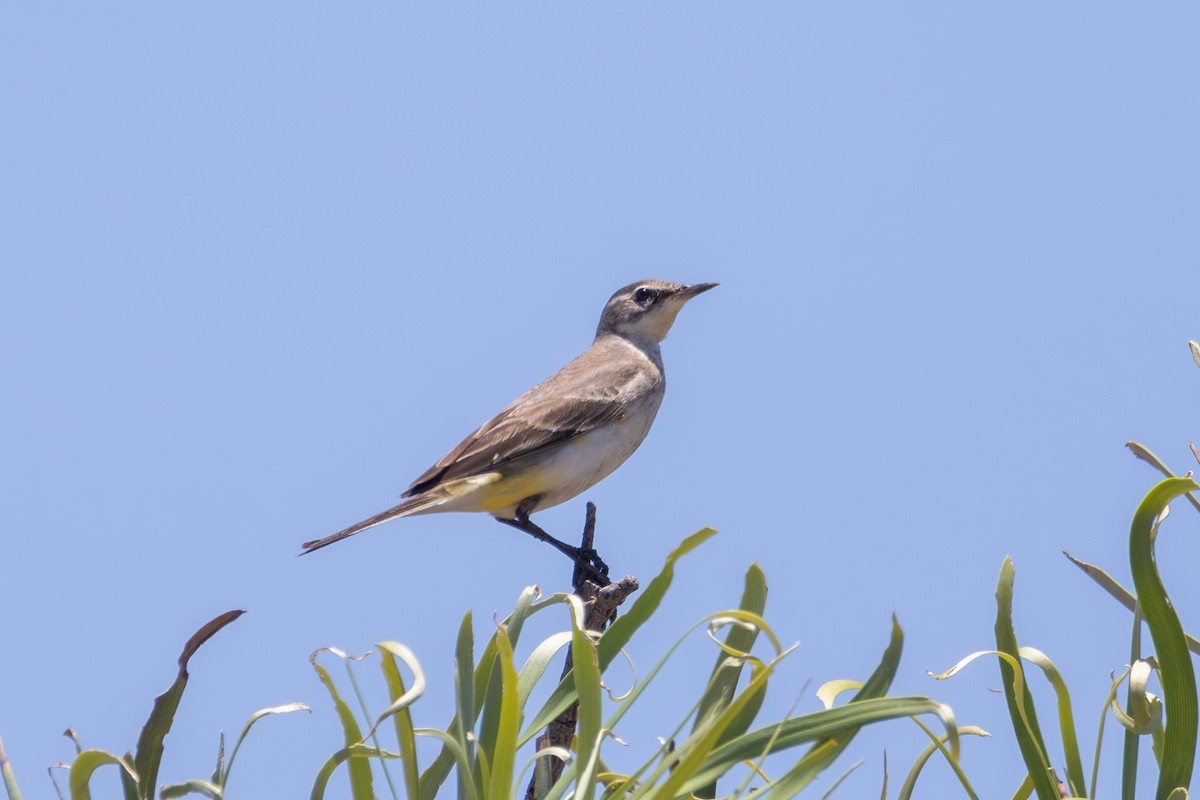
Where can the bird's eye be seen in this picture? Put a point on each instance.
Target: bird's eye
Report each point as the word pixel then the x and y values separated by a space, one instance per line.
pixel 645 296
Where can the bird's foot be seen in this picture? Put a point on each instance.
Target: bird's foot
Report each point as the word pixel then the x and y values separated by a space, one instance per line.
pixel 588 563
pixel 590 556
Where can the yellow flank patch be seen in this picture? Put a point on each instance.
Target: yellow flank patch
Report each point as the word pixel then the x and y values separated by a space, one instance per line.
pixel 490 491
pixel 510 491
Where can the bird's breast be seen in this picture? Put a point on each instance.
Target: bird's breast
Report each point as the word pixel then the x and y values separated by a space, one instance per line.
pixel 563 472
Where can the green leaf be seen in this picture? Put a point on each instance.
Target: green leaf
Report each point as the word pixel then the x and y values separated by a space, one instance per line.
pixel 205 788
pixel 468 677
pixel 1145 714
pixel 399 710
pixel 150 742
pixel 1145 455
pixel 648 600
pixel 537 663
pixel 938 745
pixel 471 682
pixel 1066 720
pixel 255 717
pixel 1131 741
pixel 816 726
pixel 503 752
pixel 586 675
pixel 560 753
pixel 361 781
pixel 354 753
pixel 727 671
pixel 1119 592
pixel 805 771
pixel 128 784
pixel 631 697
pixel 10 779
pixel 492 700
pixel 1177 673
pixel 1025 790
pixel 1020 704
pixel 825 752
pixel 458 756
pixel 617 636
pixel 88 762
pixel 695 753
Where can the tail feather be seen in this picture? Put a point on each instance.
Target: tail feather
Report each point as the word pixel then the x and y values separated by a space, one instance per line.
pixel 413 505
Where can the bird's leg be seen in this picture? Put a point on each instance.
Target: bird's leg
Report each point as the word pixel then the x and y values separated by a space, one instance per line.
pixel 587 562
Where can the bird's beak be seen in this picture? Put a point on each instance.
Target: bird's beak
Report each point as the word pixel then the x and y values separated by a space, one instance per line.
pixel 688 292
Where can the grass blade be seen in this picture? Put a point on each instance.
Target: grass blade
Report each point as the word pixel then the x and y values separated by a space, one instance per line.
pixel 492 702
pixel 355 752
pixel 150 743
pixel 938 745
pixel 223 778
pixel 694 755
pixel 826 752
pixel 647 601
pixel 1131 743
pixel 206 788
pixel 470 682
pixel 398 711
pixel 468 685
pixel 10 779
pixel 1066 720
pixel 361 782
pixel 815 726
pixel 633 694
pixel 1177 675
pixel 617 636
pixel 1020 708
pixel 727 671
pixel 537 663
pixel 88 762
pixel 586 675
pixel 1144 454
pixel 1119 592
pixel 504 745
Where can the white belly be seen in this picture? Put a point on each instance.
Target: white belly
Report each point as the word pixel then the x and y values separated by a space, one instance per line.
pixel 554 475
pixel 586 460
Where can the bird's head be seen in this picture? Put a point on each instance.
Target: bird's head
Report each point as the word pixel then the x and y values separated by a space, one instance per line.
pixel 646 309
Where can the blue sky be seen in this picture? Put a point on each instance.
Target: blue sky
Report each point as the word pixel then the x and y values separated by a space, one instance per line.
pixel 264 264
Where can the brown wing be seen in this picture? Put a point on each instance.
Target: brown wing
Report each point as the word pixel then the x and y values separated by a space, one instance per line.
pixel 592 390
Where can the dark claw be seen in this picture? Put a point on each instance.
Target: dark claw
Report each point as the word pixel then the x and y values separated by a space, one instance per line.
pixel 589 565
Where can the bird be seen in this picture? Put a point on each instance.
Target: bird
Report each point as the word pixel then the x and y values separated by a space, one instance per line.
pixel 565 434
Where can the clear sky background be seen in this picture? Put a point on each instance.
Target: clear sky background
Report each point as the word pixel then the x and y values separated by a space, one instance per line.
pixel 264 263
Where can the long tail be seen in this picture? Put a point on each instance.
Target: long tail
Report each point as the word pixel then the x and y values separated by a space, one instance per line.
pixel 413 505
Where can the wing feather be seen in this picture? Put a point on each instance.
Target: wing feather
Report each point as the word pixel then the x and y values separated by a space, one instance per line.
pixel 594 389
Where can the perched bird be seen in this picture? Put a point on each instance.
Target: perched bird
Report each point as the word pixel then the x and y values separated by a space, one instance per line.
pixel 563 435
